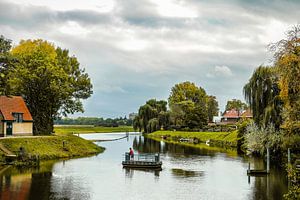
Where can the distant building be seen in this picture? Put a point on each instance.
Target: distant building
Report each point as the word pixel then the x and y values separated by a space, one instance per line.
pixel 15 118
pixel 232 116
pixel 132 115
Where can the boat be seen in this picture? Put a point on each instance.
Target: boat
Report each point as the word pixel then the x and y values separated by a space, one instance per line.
pixel 143 161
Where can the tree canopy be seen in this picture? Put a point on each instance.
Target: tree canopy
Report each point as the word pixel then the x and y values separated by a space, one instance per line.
pixel 236 104
pixel 262 94
pixel 5 59
pixel 287 62
pixel 152 116
pixel 51 82
pixel 212 107
pixel 188 105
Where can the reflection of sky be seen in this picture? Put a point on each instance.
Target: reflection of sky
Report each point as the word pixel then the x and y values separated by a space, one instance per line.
pixel 184 176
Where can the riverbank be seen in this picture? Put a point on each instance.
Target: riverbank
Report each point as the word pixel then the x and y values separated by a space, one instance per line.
pixel 67 130
pixel 51 147
pixel 216 138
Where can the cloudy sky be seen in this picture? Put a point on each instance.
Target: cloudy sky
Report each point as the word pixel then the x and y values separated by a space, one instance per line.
pixel 135 50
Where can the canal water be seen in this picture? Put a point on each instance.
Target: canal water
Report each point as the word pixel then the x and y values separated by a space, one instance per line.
pixel 189 172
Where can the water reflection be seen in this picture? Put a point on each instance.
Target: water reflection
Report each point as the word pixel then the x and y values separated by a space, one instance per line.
pixel 186 173
pixel 25 183
pixel 147 145
pixel 130 172
pixel 189 172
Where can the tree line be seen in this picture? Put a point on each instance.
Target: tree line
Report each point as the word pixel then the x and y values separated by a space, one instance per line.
pixel 49 79
pixel 190 107
pixel 273 93
pixel 96 121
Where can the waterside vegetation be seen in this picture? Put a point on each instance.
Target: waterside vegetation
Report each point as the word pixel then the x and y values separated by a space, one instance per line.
pixel 51 147
pixel 217 138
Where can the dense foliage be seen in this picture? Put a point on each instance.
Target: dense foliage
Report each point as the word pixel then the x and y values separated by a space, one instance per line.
pixel 262 94
pixel 236 104
pixel 51 82
pixel 212 107
pixel 190 108
pixel 5 59
pixel 188 105
pixel 152 116
pixel 287 62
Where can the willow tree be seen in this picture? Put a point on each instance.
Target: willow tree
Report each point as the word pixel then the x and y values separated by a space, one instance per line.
pixel 51 82
pixel 287 61
pixel 262 94
pixel 152 116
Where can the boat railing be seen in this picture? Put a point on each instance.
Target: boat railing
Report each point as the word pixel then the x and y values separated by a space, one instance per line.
pixel 146 157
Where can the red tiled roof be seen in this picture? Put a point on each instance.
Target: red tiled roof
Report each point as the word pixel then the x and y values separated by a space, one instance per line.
pixel 247 114
pixel 231 114
pixel 14 104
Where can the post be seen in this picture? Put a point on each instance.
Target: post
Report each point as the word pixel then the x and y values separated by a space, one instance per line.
pixel 289 156
pixel 268 160
pixel 127 156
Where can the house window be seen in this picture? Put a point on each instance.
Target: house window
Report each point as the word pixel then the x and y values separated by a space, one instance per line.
pixel 18 117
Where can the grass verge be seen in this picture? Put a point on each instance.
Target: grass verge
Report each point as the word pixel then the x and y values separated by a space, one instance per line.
pixel 65 130
pixel 216 138
pixel 51 147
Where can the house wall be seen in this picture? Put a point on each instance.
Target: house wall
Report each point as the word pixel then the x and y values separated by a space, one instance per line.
pixel 229 120
pixel 24 128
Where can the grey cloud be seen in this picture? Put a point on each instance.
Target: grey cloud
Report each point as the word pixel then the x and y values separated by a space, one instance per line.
pixel 41 16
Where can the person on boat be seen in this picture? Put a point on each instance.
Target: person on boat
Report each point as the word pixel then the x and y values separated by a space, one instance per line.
pixel 131 154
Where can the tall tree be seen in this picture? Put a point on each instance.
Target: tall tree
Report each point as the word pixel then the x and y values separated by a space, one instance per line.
pixel 287 61
pixel 236 104
pixel 188 104
pixel 212 107
pixel 5 59
pixel 261 92
pixel 152 116
pixel 50 81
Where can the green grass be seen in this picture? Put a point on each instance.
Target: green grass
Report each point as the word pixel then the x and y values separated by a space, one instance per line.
pixel 62 130
pixel 51 147
pixel 226 138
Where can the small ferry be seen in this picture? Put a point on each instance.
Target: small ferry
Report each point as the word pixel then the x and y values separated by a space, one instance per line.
pixel 143 161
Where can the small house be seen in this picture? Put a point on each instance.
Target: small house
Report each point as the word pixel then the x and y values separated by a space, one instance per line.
pixel 233 116
pixel 15 118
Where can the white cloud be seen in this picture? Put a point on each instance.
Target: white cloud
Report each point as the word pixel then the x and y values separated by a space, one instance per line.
pixel 220 71
pixel 223 71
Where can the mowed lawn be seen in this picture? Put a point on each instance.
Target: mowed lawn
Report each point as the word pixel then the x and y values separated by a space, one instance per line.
pixel 52 147
pixel 202 136
pixel 61 130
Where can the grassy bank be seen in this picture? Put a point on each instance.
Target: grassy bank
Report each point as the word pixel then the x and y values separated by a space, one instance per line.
pixel 64 130
pixel 217 138
pixel 51 147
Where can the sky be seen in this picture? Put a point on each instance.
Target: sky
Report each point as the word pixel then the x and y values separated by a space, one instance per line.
pixel 135 50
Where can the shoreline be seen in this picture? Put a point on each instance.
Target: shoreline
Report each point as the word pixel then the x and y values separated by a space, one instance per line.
pixel 50 147
pixel 219 139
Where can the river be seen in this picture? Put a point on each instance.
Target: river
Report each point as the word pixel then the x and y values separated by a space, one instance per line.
pixel 188 172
